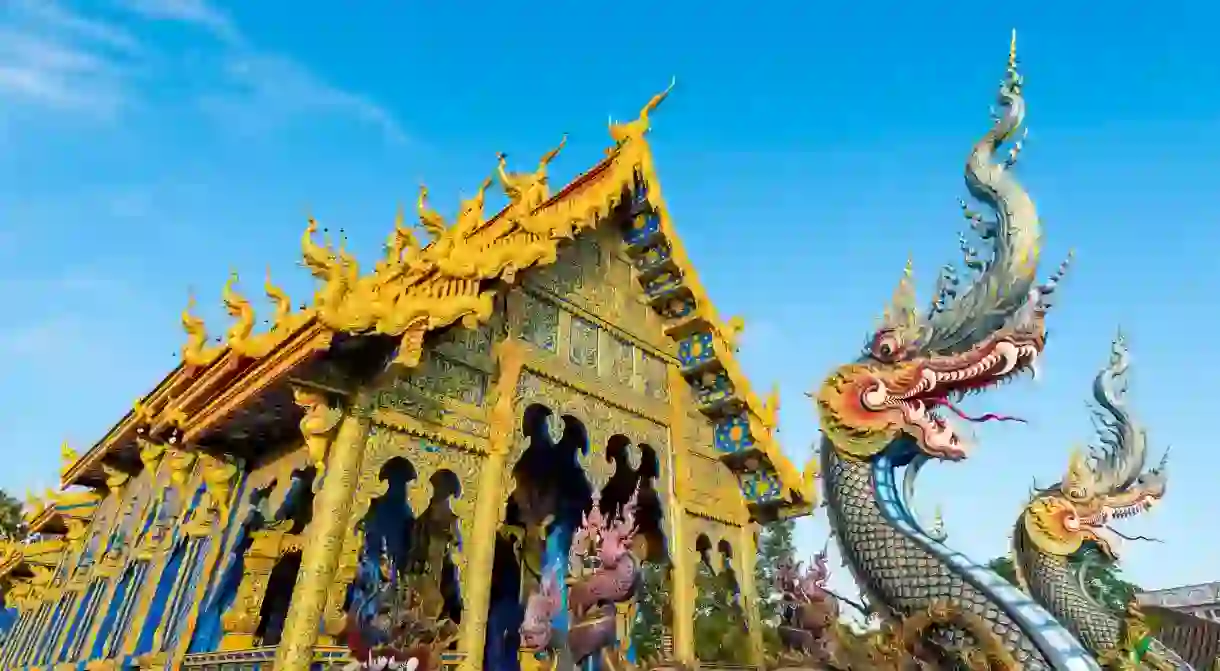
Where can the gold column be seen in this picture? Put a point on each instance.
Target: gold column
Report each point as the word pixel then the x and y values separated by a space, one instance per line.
pixel 747 547
pixel 320 556
pixel 489 504
pixel 683 602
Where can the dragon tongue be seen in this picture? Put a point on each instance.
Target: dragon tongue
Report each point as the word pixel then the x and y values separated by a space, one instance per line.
pixel 989 417
pixel 1111 538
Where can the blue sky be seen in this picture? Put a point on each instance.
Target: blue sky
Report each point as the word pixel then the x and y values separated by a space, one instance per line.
pixel 149 146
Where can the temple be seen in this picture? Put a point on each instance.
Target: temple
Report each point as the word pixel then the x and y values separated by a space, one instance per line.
pixel 452 412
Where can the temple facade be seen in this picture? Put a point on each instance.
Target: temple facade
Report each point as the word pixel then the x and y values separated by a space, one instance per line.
pixel 451 410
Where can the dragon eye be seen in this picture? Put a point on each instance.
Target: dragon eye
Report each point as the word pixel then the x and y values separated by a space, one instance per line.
pixel 886 346
pixel 1076 493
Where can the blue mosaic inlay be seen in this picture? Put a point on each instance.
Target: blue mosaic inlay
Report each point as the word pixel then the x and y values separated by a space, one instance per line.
pixel 733 435
pixel 696 350
pixel 711 388
pixel 654 256
pixel 641 228
pixel 761 486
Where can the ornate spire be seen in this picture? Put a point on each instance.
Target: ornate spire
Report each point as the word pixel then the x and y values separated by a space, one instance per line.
pixel 901 314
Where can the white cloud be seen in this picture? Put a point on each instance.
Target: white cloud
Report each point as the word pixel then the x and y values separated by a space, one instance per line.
pixel 53 59
pixel 263 89
pixel 195 12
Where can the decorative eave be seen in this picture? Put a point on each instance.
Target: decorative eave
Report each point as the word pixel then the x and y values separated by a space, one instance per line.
pixel 51 515
pixel 415 290
pixel 16 556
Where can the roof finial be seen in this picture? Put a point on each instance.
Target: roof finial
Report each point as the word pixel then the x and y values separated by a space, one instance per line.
pixel 1012 51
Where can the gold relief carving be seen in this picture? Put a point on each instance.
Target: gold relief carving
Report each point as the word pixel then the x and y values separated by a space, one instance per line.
pixel 218 475
pixel 115 478
pixel 601 421
pixel 317 425
pixel 655 375
pixel 180 464
pixel 151 452
pixel 536 321
pixel 582 343
pixel 713 491
pixel 335 619
pixel 621 358
pixel 473 340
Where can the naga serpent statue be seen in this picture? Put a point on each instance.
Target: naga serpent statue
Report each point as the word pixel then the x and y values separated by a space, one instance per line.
pixel 602 572
pixel 807 611
pixel 1064 528
pixel 884 411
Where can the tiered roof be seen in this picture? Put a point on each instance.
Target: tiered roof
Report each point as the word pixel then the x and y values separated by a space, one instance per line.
pixel 415 289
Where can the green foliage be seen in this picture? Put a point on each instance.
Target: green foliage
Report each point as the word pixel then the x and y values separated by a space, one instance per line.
pixel 12 526
pixel 1004 566
pixel 720 628
pixel 652 605
pixel 1103 578
pixel 775 544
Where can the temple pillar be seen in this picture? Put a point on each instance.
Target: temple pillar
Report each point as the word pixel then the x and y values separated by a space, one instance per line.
pixel 489 505
pixel 747 548
pixel 682 602
pixel 320 557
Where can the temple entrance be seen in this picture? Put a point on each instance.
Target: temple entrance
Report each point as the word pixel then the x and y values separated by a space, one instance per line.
pixel 434 538
pixel 278 599
pixel 643 624
pixel 542 513
pixel 720 624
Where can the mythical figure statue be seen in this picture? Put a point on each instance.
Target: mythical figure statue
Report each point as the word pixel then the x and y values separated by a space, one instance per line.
pixel 808 611
pixel 399 623
pixel 602 572
pixel 887 409
pixel 1065 529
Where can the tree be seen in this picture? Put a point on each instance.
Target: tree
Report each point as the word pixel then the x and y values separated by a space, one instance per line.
pixel 1103 579
pixel 652 602
pixel 775 544
pixel 12 527
pixel 720 632
pixel 12 522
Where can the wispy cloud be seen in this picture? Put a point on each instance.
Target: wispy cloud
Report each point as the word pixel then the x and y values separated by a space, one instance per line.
pixel 195 12
pixel 52 58
pixel 261 88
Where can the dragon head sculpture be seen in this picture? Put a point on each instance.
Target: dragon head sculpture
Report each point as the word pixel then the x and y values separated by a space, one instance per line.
pixel 1108 484
pixel 976 334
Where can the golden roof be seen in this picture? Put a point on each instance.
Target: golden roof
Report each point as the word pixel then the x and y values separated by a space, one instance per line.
pixel 415 289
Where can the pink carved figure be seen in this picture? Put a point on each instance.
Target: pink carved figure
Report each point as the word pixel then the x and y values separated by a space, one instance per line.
pixel 540 609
